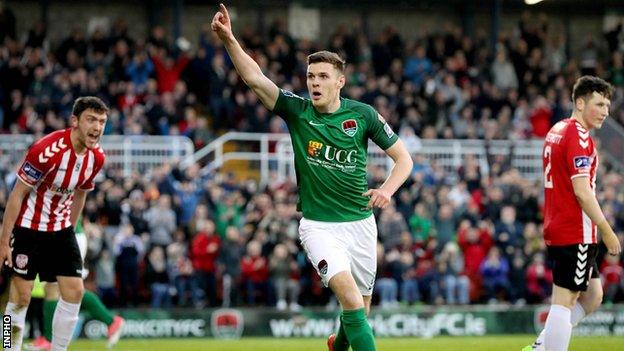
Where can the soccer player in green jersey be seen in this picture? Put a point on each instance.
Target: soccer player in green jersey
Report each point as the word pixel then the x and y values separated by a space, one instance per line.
pixel 330 138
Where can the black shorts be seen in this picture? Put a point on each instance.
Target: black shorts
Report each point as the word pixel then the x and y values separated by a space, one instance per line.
pixel 49 254
pixel 573 265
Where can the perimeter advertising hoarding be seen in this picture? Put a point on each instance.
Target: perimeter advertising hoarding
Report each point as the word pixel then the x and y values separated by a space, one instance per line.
pixel 423 322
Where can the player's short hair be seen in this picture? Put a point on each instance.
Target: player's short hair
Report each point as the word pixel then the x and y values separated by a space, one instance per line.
pixel 89 102
pixel 587 85
pixel 330 57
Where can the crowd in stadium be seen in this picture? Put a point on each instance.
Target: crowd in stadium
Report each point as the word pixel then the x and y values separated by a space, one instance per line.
pixel 178 239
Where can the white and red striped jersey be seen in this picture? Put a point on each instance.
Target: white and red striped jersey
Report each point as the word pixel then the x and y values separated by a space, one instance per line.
pixel 54 171
pixel 569 152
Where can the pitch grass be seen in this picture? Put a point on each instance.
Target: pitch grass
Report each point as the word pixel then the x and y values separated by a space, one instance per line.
pixel 485 343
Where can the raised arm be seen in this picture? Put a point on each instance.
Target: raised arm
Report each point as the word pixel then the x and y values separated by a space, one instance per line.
pixel 246 67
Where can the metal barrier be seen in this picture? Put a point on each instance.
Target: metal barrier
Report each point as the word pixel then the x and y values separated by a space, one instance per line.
pixel 274 153
pixel 261 147
pixel 128 153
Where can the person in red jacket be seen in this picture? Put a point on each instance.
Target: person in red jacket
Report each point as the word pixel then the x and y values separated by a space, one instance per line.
pixel 612 274
pixel 255 272
pixel 204 252
pixel 539 280
pixel 475 244
pixel 168 70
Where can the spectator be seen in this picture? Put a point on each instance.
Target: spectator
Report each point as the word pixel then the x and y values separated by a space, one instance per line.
pixel 129 251
pixel 139 71
pixel 426 271
pixel 167 69
pixel 420 223
pixel 229 261
pixel 255 273
pixel 503 72
pixel 386 287
pixel 180 270
pixel 455 283
pixel 612 274
pixel 539 280
pixel 418 66
pixel 284 273
pixel 161 221
pixel 391 225
pixel 204 252
pixel 157 278
pixel 445 223
pixel 105 278
pixel 495 270
pixel 508 231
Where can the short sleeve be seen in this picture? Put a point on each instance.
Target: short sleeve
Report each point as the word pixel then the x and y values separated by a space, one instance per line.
pixel 379 131
pixel 579 152
pixel 289 105
pixel 34 167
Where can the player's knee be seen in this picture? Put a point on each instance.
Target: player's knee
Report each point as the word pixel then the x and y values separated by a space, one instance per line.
pixel 23 298
pixel 594 302
pixel 73 294
pixel 78 293
pixel 351 299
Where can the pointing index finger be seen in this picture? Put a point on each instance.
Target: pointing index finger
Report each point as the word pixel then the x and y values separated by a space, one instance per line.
pixel 225 11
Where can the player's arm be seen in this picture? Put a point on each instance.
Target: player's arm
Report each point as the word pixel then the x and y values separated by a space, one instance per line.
pixel 398 174
pixel 590 206
pixel 80 196
pixel 14 203
pixel 246 67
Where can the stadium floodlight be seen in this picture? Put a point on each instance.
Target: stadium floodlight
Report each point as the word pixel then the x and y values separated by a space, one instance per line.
pixel 532 2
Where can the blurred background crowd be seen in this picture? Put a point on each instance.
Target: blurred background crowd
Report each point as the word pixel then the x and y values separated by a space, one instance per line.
pixel 175 238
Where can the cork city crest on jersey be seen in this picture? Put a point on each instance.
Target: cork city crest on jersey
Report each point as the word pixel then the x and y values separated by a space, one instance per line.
pixel 350 127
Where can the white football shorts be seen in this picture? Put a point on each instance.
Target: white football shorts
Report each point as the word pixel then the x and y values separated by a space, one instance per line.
pixel 333 247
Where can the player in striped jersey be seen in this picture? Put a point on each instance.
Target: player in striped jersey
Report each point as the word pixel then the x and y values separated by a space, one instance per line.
pixel 572 214
pixel 37 228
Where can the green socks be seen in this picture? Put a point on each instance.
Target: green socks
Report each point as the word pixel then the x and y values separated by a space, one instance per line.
pixel 48 313
pixel 341 343
pixel 357 330
pixel 92 304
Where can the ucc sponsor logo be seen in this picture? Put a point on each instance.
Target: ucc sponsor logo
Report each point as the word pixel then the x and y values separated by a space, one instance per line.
pixel 316 149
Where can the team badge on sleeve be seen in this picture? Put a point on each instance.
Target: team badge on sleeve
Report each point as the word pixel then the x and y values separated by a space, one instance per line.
pixel 582 162
pixel 32 174
pixel 380 118
pixel 386 127
pixel 349 127
pixel 388 130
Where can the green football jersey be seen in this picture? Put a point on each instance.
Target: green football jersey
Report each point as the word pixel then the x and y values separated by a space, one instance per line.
pixel 330 155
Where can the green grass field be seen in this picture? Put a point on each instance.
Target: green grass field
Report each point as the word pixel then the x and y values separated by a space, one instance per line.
pixel 489 343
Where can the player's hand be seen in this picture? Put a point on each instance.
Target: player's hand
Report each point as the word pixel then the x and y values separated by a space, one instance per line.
pixel 612 242
pixel 221 24
pixel 378 198
pixel 5 255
